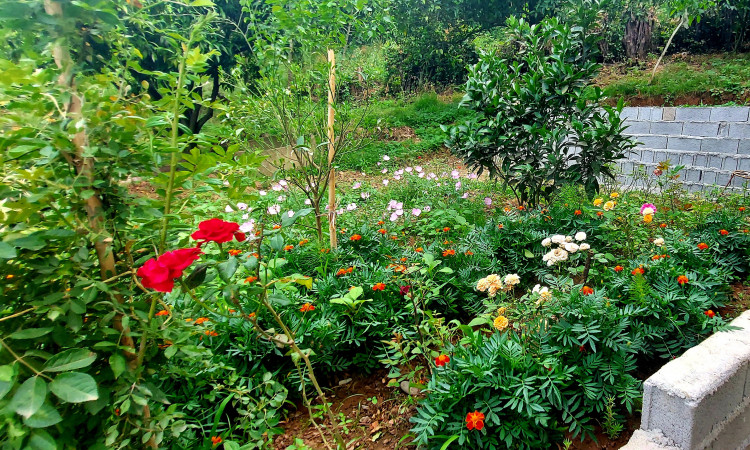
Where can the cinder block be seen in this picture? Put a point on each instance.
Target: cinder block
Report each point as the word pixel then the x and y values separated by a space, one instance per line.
pixel 695 114
pixel 686 159
pixel 649 113
pixel 683 143
pixel 667 128
pixel 660 156
pixel 693 175
pixel 709 177
pixel 730 163
pixel 744 147
pixel 723 130
pixel 652 141
pixel 647 156
pixel 701 129
pixel 629 113
pixel 715 162
pixel 700 160
pixel 722 178
pixel 743 164
pixel 729 114
pixel 637 127
pixel 649 440
pixel 668 113
pixel 720 145
pixel 739 130
pixel 736 432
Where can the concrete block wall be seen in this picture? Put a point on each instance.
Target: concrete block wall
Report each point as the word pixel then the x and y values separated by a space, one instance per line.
pixel 700 400
pixel 711 142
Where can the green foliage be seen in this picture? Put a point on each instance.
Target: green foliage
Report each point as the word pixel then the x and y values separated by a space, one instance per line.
pixel 538 127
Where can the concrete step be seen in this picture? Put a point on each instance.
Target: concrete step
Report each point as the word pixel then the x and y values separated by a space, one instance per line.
pixel 731 146
pixel 731 130
pixel 687 114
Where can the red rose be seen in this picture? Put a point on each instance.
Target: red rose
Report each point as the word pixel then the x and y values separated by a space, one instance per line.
pixel 403 290
pixel 155 276
pixel 178 260
pixel 217 230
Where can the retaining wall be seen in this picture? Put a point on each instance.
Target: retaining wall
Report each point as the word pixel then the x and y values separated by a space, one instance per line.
pixel 700 400
pixel 711 142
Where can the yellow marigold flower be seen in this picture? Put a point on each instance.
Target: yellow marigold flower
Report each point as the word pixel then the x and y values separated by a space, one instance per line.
pixel 609 205
pixel 501 311
pixel 614 195
pixel 648 218
pixel 501 323
pixel 598 202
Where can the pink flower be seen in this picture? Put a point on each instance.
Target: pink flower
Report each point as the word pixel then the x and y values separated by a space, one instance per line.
pixel 455 175
pixel 487 201
pixel 416 212
pixel 648 209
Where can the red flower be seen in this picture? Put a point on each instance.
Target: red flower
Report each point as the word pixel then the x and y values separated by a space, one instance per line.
pixel 403 290
pixel 234 252
pixel 578 212
pixel 599 213
pixel 619 268
pixel 663 225
pixel 475 420
pixel 723 232
pixel 587 290
pixel 307 307
pixel 710 313
pixel 449 252
pixel 382 231
pixel 742 209
pixel 159 273
pixel 419 249
pixel 682 279
pixel 446 229
pixel 702 246
pixel 217 230
pixel 442 360
pixel 163 312
pixel 355 237
pixel 379 287
pixel 638 271
pixel 216 440
pixel 468 253
pixel 288 247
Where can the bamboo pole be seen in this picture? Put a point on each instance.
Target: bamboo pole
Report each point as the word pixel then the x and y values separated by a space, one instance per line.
pixel 331 151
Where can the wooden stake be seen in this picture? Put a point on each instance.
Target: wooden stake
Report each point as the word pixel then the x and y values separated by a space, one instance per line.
pixel 331 151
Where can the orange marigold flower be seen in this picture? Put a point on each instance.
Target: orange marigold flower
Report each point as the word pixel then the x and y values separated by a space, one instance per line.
pixel 341 272
pixel 288 247
pixel 307 307
pixel 210 333
pixel 638 271
pixel 188 319
pixel 303 242
pixel 475 420
pixel 506 209
pixel 500 226
pixel 251 315
pixel 742 209
pixel 201 320
pixel 355 237
pixel 234 252
pixel 577 212
pixel 325 250
pixel 395 238
pixel 521 207
pixel 404 259
pixel 255 254
pixel 419 249
pixel 449 252
pixel 216 440
pixel 656 257
pixel 619 268
pixel 663 225
pixel 349 269
pixel 723 232
pixel 381 222
pixel 446 229
pixel 468 253
pixel 382 231
pixel 379 287
pixel 702 246
pixel 682 279
pixel 442 360
pixel 710 313
pixel 163 312
pixel 587 290
pixel 251 279
pixel 232 311
pixel 276 227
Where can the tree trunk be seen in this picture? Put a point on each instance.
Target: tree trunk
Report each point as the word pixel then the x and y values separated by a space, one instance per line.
pixel 638 33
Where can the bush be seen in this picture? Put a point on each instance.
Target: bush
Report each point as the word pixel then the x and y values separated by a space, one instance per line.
pixel 538 126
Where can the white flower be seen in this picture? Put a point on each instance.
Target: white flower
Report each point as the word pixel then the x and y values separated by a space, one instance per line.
pixel 536 289
pixel 245 216
pixel 242 206
pixel 455 175
pixel 262 193
pixel 228 209
pixel 466 195
pixel 308 202
pixel 290 213
pixel 394 217
pixel 583 247
pixel 356 185
pixel 512 279
pixel 421 175
pixel 351 206
pixel 472 176
pixel 274 209
pixel 571 247
pixel 568 238
pixel 396 177
pixel 247 227
pixel 340 211
pixel 580 236
pixel 408 169
pixel 560 254
pixel 427 208
pixel 385 182
pixel 386 158
pixel 659 242
pixel 546 242
pixel 277 187
pixel 418 168
pixel 365 195
pixel 458 185
pixel 281 198
pixel 416 212
pixel 558 239
pixel 384 171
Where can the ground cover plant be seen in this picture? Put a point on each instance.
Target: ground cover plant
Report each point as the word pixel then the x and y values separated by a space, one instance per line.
pixel 162 288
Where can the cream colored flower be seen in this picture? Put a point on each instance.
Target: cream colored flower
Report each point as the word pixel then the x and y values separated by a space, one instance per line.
pixel 512 279
pixel 659 242
pixel 483 285
pixel 546 242
pixel 558 239
pixel 571 247
pixel 609 205
pixel 580 236
pixel 583 247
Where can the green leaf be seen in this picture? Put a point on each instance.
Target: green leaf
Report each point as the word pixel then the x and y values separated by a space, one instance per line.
pixel 41 440
pixel 527 253
pixel 75 358
pixel 118 364
pixel 7 251
pixel 478 321
pixel 74 387
pixel 227 269
pixel 46 416
pixel 197 277
pixel 207 3
pixel 7 379
pixel 30 333
pixel 29 397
